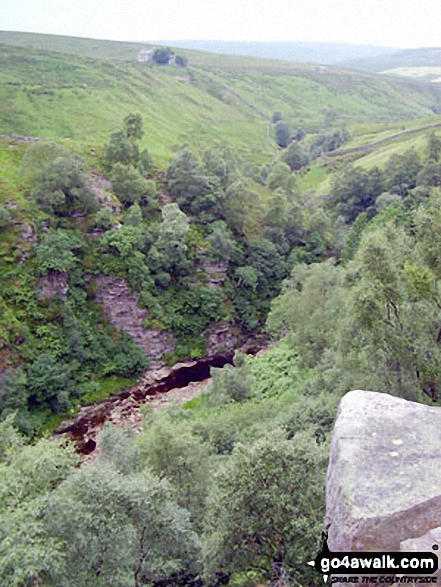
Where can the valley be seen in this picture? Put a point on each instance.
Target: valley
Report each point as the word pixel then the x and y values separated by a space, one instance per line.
pixel 159 226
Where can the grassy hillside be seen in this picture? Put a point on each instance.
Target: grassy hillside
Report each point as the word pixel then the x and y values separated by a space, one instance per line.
pixel 423 57
pixel 55 87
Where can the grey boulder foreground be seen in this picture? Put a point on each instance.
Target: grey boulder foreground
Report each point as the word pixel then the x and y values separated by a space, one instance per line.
pixel 383 484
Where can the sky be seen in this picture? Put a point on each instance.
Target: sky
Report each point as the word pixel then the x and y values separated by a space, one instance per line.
pixel 390 23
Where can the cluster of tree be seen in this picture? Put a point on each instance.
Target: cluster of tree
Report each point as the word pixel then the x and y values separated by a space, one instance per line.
pixel 283 131
pixel 328 141
pixel 69 350
pixel 128 166
pixel 375 322
pixel 297 154
pixel 228 491
pixel 357 190
pixel 163 56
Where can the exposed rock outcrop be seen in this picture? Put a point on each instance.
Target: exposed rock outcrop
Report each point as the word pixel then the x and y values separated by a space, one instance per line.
pixel 121 307
pixel 53 284
pixel 124 407
pixel 384 477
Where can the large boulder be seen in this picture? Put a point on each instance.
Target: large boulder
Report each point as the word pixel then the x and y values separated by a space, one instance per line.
pixel 384 476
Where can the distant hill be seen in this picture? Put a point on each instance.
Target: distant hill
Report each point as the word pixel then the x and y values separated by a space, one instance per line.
pixel 325 53
pixel 424 57
pixel 53 86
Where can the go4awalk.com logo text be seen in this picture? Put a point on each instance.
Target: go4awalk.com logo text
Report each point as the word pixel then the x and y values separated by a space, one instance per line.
pixel 375 567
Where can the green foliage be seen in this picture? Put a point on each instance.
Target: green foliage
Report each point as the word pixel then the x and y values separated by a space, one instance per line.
pixel 430 174
pixel 131 531
pixel 64 189
pixel 267 507
pixel 58 251
pixel 37 158
pixel 162 55
pixel 181 61
pixel 103 218
pixel 354 235
pixel 187 311
pixel 133 126
pixel 329 141
pixel 223 246
pixel 5 217
pixel 133 216
pixel 311 303
pixel 296 156
pixel 281 177
pixel 230 383
pixel 197 188
pixel 28 554
pixel 129 185
pixel 283 133
pixel 121 150
pixel 174 452
pixel 402 171
pixel 433 146
pixel 355 190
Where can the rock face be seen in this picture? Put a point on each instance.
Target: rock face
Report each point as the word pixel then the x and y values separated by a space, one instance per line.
pixel 384 477
pixel 53 284
pixel 121 307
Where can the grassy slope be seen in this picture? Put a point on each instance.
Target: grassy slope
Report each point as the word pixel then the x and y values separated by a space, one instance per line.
pixel 54 86
pixel 425 56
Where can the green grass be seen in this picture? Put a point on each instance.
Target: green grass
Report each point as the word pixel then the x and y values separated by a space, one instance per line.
pixel 108 386
pixel 52 86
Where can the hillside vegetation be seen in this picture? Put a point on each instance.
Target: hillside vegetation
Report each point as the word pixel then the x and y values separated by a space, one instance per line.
pixel 414 58
pixel 57 87
pixel 222 194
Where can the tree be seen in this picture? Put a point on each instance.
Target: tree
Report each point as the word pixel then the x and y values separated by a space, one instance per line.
pixel 162 55
pixel 355 190
pixel 267 507
pixel 283 134
pixel 64 189
pixel 312 303
pixel 145 162
pixel 433 146
pixel 173 452
pixel 402 171
pixel 281 177
pixel 58 251
pixel 168 252
pixel 49 383
pixel 103 218
pixel 130 532
pixel 133 216
pixel 430 174
pixel 181 61
pixel 195 191
pixel 133 127
pixel 37 157
pixel 329 141
pixel 129 185
pixel 120 149
pixel 29 554
pixel 296 157
pixel 394 311
pixel 222 242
